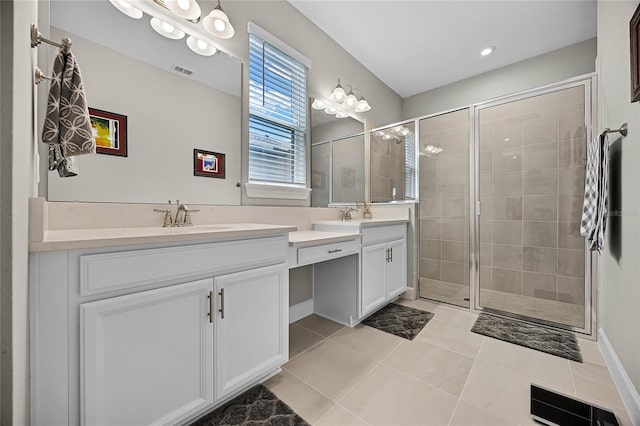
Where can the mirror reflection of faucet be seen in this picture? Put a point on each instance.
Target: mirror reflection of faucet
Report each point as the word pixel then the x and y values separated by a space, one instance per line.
pixel 346 214
pixel 182 216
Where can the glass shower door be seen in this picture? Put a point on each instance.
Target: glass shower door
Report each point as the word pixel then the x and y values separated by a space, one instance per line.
pixel 444 208
pixel 531 157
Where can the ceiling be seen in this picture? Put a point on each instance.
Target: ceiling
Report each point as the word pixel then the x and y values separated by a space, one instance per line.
pixel 414 46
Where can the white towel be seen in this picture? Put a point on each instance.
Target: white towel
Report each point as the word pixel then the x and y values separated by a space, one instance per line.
pixel 594 210
pixel 67 126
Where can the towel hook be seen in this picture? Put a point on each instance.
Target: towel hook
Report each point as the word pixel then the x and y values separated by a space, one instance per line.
pixel 623 130
pixel 39 76
pixel 37 39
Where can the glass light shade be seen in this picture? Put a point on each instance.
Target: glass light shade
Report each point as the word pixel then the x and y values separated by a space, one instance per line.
pixel 386 137
pixel 200 47
pixel 341 114
pixel 187 9
pixel 405 132
pixel 379 133
pixel 330 110
pixel 318 104
pixel 363 106
pixel 351 101
pixel 166 30
pixel 127 9
pixel 217 23
pixel 338 94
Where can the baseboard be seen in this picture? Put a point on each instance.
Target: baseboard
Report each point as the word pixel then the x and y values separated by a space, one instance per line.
pixel 628 392
pixel 410 294
pixel 301 310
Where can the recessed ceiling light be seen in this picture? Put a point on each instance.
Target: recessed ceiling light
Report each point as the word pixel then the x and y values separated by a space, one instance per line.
pixel 488 50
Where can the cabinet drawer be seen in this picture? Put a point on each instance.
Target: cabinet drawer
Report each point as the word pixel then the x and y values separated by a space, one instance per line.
pixel 324 252
pixel 382 234
pixel 105 272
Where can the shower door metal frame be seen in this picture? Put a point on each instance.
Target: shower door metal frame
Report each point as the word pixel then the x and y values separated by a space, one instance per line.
pixel 476 205
pixel 591 276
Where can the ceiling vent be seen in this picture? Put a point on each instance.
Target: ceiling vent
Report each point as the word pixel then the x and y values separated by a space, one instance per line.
pixel 181 70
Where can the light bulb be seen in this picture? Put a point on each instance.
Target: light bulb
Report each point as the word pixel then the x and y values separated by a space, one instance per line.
pixel 168 27
pixel 341 114
pixel 165 29
pixel 386 137
pixel 397 129
pixel 183 4
pixel 317 104
pixel 330 110
pixel 338 93
pixel 379 133
pixel 405 132
pixel 219 24
pixel 351 101
pixel 200 47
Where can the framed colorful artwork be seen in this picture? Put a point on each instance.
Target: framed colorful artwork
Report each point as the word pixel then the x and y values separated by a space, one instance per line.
pixel 634 35
pixel 208 164
pixel 110 132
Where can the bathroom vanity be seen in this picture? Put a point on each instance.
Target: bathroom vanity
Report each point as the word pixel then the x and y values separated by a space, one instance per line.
pixel 186 318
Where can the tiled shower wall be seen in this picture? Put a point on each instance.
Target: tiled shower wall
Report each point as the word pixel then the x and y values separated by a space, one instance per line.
pixel 444 208
pixel 387 168
pixel 532 157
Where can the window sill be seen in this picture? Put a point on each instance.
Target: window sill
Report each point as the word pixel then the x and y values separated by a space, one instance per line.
pixel 283 192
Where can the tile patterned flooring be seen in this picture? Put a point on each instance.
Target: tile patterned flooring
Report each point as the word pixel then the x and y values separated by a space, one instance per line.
pixel 446 376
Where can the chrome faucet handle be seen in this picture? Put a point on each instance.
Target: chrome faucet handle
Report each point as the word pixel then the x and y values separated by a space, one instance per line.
pixel 187 216
pixel 168 220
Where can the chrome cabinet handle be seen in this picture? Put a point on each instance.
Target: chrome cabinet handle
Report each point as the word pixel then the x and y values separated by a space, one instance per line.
pixel 335 251
pixel 391 254
pixel 210 313
pixel 386 252
pixel 221 310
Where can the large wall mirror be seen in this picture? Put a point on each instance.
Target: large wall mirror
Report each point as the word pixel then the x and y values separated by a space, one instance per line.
pixel 393 163
pixel 174 101
pixel 337 159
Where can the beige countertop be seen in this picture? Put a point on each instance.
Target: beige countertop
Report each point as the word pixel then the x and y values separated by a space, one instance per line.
pixel 364 223
pixel 73 239
pixel 313 238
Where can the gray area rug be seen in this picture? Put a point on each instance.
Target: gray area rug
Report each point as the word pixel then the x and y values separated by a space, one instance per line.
pixel 256 407
pixel 554 342
pixel 399 320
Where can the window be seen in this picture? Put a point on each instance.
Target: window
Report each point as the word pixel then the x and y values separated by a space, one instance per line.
pixel 277 113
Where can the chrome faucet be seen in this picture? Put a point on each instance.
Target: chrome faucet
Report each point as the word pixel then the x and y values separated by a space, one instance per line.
pixel 346 215
pixel 182 217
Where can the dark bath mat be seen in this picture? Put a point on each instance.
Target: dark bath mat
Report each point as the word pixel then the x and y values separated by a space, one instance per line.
pixel 400 320
pixel 256 407
pixel 554 342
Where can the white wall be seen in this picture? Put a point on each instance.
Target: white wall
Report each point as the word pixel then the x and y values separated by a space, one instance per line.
pixel 18 184
pixel 167 117
pixel 330 61
pixel 538 71
pixel 620 266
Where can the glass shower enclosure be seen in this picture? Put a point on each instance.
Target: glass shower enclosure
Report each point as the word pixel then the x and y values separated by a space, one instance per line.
pixel 501 188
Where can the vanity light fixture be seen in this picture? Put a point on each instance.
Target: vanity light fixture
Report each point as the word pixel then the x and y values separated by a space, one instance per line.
pixel 200 47
pixel 165 29
pixel 488 50
pixel 351 101
pixel 124 7
pixel 338 93
pixel 217 23
pixel 186 9
pixel 341 114
pixel 363 105
pixel 318 104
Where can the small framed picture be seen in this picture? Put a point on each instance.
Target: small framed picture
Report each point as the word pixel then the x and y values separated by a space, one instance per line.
pixel 634 35
pixel 110 132
pixel 208 164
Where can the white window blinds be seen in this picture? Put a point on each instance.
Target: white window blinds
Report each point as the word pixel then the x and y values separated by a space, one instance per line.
pixel 277 115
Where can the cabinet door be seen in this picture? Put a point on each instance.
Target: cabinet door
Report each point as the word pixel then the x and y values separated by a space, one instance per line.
pixel 251 326
pixel 374 277
pixel 396 269
pixel 147 357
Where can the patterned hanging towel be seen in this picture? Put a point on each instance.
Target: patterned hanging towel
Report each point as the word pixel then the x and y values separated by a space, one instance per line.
pixel 67 127
pixel 594 210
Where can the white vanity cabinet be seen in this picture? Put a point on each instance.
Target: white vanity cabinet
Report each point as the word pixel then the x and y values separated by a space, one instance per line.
pixel 147 357
pixel 384 266
pixel 383 260
pixel 154 334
